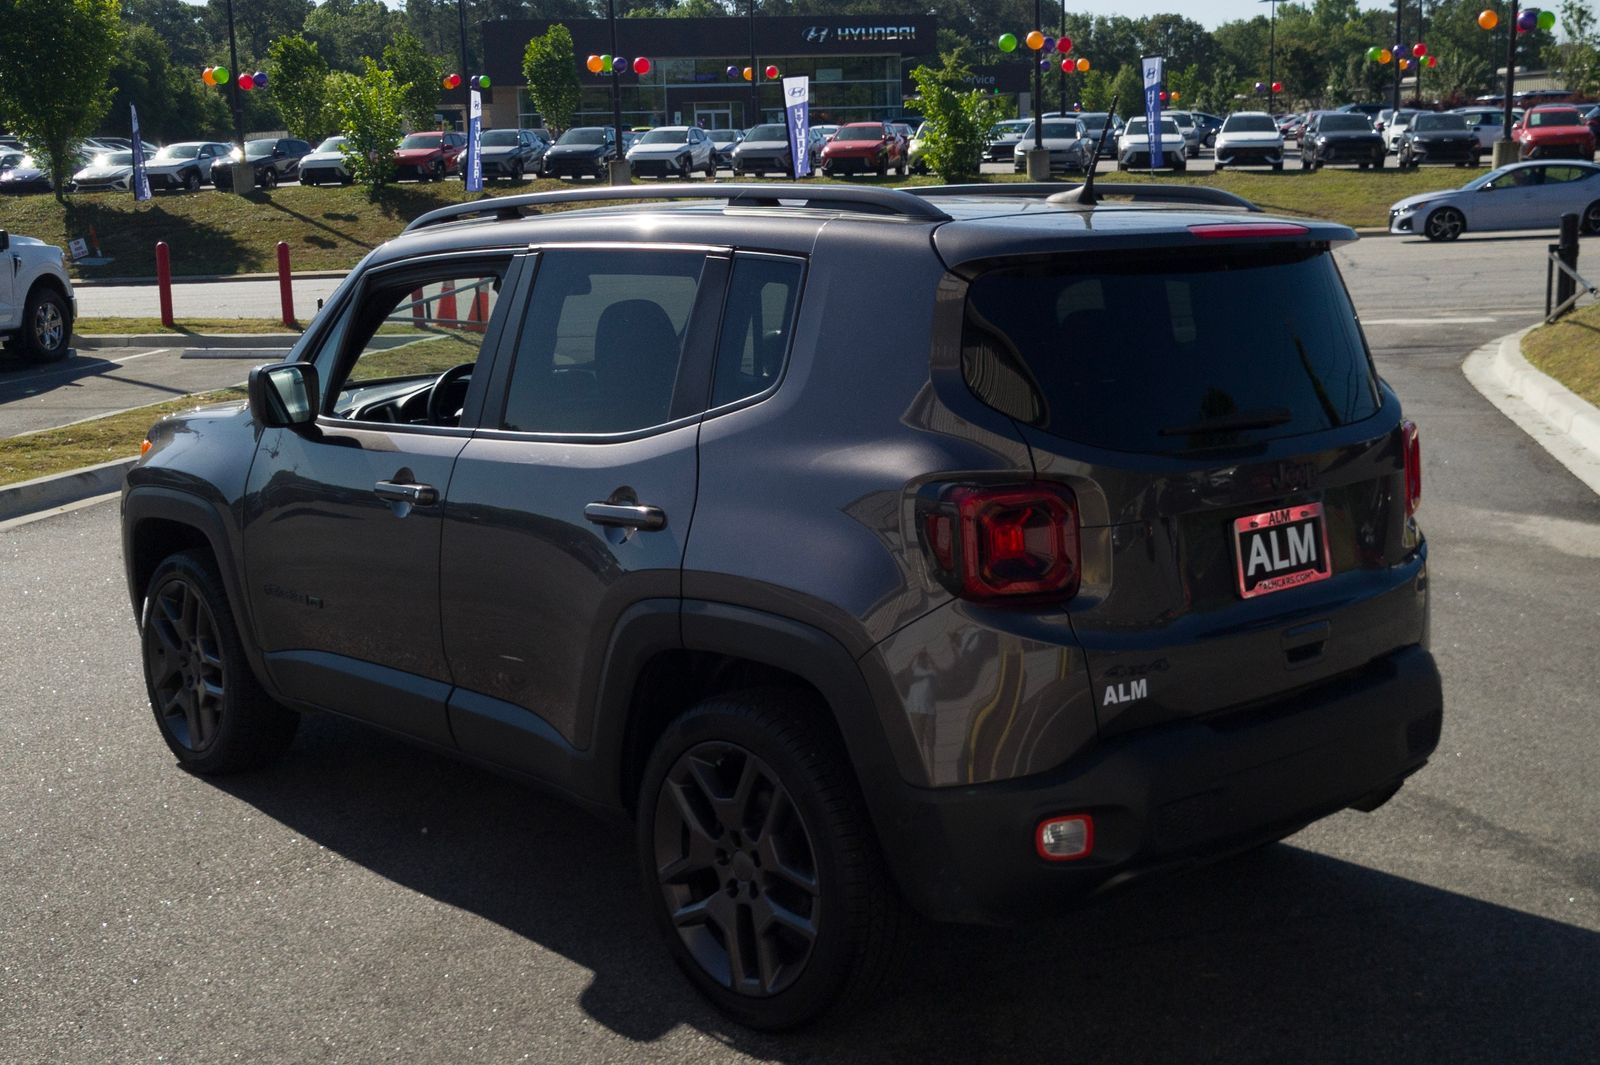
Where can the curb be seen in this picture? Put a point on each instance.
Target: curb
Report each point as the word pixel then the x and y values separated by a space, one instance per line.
pixel 1561 422
pixel 60 489
pixel 187 340
pixel 200 279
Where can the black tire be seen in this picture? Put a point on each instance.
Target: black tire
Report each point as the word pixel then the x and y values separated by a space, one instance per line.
pixel 1590 222
pixel 269 178
pixel 1277 166
pixel 516 172
pixel 711 169
pixel 1305 164
pixel 210 708
pixel 436 172
pixel 684 171
pixel 1444 224
pixel 1218 168
pixel 830 919
pixel 883 167
pixel 1377 164
pixel 900 170
pixel 191 181
pixel 46 334
pixel 308 178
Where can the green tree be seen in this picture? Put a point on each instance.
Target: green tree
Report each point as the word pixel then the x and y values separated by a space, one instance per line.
pixel 550 67
pixel 1128 86
pixel 1576 60
pixel 52 110
pixel 366 108
pixel 256 24
pixel 956 118
pixel 174 104
pixel 418 74
pixel 347 32
pixel 299 82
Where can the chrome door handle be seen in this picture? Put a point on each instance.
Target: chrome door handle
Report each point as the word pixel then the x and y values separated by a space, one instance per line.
pixel 418 495
pixel 627 516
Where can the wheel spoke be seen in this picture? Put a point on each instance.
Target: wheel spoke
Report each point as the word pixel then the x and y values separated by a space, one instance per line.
pixel 701 856
pixel 767 960
pixel 694 914
pixel 771 915
pixel 739 937
pixel 186 617
pixel 191 716
pixel 206 717
pixel 691 816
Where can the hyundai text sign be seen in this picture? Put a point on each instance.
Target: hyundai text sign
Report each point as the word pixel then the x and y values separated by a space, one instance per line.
pixel 849 33
pixel 1152 105
pixel 797 112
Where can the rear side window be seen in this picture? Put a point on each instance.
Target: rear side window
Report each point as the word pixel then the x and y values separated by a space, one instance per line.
pixel 757 324
pixel 1172 352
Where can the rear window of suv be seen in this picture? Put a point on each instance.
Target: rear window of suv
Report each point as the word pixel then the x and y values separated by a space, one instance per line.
pixel 1172 352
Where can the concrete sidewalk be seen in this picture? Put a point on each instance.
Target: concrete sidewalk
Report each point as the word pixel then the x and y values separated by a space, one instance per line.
pixel 1560 421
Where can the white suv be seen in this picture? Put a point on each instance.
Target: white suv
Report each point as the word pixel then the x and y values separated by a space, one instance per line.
pixel 1249 138
pixel 37 306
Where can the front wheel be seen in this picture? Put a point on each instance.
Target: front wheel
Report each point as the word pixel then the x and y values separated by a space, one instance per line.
pixel 210 708
pixel 759 863
pixel 1591 219
pixel 191 181
pixel 1444 224
pixel 46 326
pixel 269 178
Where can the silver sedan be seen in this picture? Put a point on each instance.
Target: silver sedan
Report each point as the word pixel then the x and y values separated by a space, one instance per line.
pixel 1520 196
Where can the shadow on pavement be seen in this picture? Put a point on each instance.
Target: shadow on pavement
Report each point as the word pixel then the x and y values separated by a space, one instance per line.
pixel 1280 956
pixel 22 380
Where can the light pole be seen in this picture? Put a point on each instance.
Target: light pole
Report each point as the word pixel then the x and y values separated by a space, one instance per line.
pixel 1272 55
pixel 755 72
pixel 1505 149
pixel 1038 90
pixel 244 175
pixel 1061 70
pixel 619 163
pixel 1399 51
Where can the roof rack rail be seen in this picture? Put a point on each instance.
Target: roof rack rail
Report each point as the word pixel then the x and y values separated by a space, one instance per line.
pixel 865 200
pixel 1053 192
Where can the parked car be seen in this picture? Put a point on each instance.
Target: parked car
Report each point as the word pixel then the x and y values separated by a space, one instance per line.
pixel 28 175
pixel 271 159
pixel 1554 131
pixel 864 147
pixel 764 150
pixel 1395 128
pixel 1249 138
pixel 674 151
pixel 1487 124
pixel 10 157
pixel 1133 147
pixel 946 620
pixel 723 142
pixel 184 166
pixel 327 165
pixel 37 304
pixel 1341 137
pixel 1531 195
pixel 1370 110
pixel 1190 130
pixel 510 153
pixel 1065 139
pixel 1591 117
pixel 1438 138
pixel 106 172
pixel 582 151
pixel 432 155
pixel 1001 146
pixel 1209 124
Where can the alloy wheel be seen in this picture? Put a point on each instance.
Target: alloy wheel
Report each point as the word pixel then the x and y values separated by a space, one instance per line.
pixel 49 327
pixel 188 679
pixel 737 869
pixel 1445 224
pixel 1591 218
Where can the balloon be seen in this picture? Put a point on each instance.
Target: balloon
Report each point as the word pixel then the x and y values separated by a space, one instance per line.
pixel 1035 40
pixel 246 82
pixel 1547 20
pixel 619 65
pixel 1372 54
pixel 1008 42
pixel 1049 44
pixel 733 72
pixel 220 74
pixel 1044 65
pixel 1176 97
pixel 1261 86
pixel 1419 49
pixel 749 75
pixel 1164 96
pixel 1384 55
pixel 1068 66
pixel 593 63
pixel 1528 20
pixel 1488 19
pixel 605 64
pixel 641 65
pixel 1064 45
pixel 261 79
pixel 1277 86
pixel 1433 61
pixel 483 81
pixel 772 72
pixel 1083 66
pixel 208 77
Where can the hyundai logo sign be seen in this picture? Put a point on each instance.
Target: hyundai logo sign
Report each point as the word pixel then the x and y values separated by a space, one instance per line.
pixel 822 34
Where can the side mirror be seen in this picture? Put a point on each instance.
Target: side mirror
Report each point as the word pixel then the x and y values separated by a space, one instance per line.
pixel 284 396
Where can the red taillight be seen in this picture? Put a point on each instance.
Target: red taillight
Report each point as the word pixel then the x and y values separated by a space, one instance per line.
pixel 1411 441
pixel 1244 230
pixel 1018 542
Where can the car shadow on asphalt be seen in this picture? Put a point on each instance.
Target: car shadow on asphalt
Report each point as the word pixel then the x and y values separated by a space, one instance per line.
pixel 1283 955
pixel 26 380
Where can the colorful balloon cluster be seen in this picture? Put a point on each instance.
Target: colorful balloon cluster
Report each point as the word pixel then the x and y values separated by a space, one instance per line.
pixel 1170 97
pixel 218 75
pixel 771 73
pixel 1385 56
pixel 1038 42
pixel 616 64
pixel 1262 86
pixel 477 81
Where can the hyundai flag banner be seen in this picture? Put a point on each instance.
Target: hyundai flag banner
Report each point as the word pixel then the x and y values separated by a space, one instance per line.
pixel 797 109
pixel 473 171
pixel 141 180
pixel 1152 106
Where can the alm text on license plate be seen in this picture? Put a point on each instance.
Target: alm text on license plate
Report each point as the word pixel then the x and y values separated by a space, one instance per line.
pixel 1279 549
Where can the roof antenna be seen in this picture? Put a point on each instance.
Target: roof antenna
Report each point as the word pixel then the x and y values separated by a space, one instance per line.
pixel 1083 195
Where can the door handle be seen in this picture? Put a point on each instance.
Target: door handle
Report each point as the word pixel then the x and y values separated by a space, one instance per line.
pixel 418 495
pixel 627 515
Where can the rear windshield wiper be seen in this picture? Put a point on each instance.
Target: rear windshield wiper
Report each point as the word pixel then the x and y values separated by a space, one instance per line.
pixel 1244 419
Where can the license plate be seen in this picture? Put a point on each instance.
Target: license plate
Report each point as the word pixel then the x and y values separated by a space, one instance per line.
pixel 1279 549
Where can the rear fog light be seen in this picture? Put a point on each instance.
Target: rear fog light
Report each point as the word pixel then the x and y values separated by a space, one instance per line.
pixel 1066 838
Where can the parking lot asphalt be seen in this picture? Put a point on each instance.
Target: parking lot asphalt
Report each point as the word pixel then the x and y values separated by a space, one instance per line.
pixel 369 901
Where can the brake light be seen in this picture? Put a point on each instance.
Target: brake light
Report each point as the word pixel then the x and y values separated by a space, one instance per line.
pixel 1239 230
pixel 1011 543
pixel 1411 441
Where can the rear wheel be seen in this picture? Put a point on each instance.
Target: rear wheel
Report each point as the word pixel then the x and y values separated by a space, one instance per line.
pixel 212 712
pixel 46 326
pixel 1446 223
pixel 1591 219
pixel 759 862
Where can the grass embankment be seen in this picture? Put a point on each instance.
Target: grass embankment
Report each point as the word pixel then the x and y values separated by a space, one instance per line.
pixel 330 228
pixel 116 436
pixel 1569 351
pixel 114 326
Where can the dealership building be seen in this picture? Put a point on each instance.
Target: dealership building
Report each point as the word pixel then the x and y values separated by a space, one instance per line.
pixel 859 68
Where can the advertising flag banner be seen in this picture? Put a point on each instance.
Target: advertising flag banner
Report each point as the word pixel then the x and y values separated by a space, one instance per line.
pixel 1153 74
pixel 797 109
pixel 473 172
pixel 141 181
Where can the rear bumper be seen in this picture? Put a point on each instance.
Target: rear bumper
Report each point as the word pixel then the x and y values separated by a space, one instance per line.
pixel 1167 796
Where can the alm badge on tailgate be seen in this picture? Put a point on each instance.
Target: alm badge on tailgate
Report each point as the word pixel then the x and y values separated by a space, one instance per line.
pixel 1280 549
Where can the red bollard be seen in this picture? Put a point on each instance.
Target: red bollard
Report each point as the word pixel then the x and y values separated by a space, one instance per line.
pixel 478 313
pixel 285 286
pixel 447 306
pixel 164 281
pixel 418 307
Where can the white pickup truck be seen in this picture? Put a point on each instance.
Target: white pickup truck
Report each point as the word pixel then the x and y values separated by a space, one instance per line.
pixel 37 306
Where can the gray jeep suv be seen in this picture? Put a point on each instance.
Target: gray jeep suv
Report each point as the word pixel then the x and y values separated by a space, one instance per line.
pixel 1098 558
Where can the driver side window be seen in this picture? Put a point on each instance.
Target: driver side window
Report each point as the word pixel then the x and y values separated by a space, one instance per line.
pixel 405 352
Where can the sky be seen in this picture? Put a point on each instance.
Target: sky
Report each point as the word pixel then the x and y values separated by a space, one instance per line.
pixel 1209 13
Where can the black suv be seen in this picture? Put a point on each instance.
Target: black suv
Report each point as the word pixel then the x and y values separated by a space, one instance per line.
pixel 273 159
pixel 1106 563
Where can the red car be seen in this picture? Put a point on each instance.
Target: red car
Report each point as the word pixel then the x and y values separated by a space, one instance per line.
pixel 1554 131
pixel 863 147
pixel 429 156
